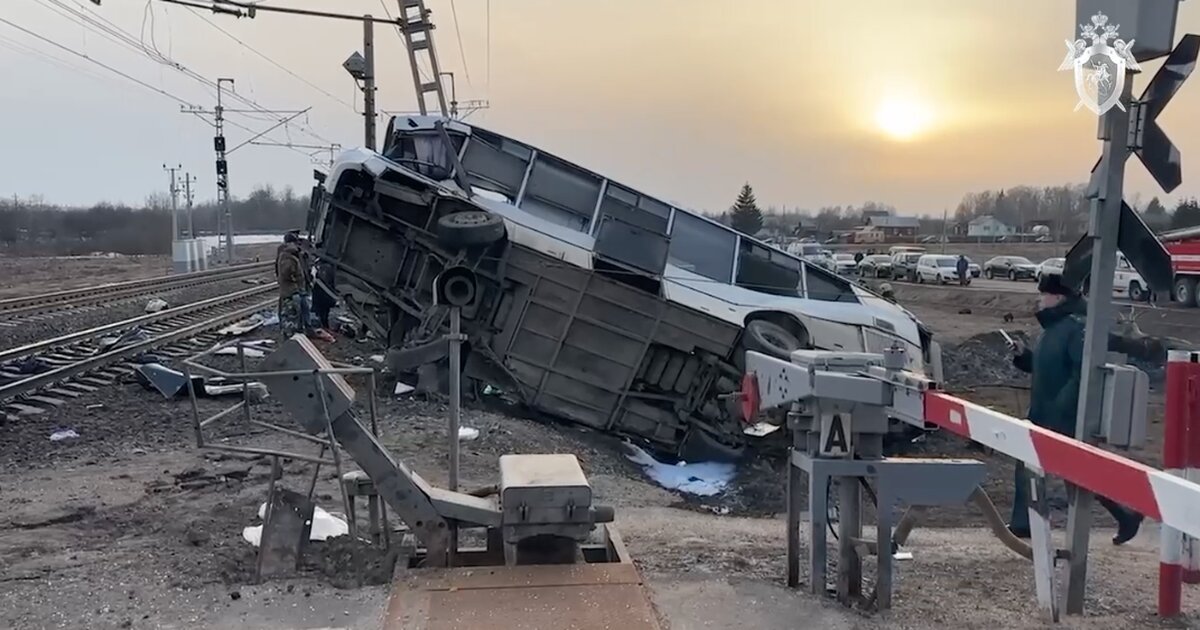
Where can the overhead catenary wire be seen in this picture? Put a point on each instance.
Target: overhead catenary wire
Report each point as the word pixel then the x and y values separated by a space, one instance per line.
pixel 129 77
pixel 106 28
pixel 270 60
pixel 462 53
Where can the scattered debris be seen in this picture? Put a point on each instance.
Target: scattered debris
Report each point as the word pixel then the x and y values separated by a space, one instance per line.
pixel 964 311
pixel 31 365
pixel 466 434
pixel 171 383
pixel 256 349
pixel 402 389
pixel 703 479
pixel 256 320
pixel 63 434
pixel 377 358
pixel 1008 318
pixel 133 335
pixel 760 429
pixel 324 526
pixel 94 406
pixel 155 305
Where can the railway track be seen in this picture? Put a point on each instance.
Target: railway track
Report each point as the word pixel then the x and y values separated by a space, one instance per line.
pixel 17 311
pixel 43 375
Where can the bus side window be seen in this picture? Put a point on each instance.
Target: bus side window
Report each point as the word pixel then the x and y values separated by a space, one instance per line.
pixel 702 247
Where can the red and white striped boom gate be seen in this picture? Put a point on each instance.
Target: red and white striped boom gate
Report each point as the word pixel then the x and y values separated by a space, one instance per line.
pixel 1171 497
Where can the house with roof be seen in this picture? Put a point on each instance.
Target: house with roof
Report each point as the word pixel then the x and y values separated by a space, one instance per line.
pixel 893 227
pixel 988 226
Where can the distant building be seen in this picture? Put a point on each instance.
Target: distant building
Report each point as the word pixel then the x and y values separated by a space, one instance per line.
pixel 867 234
pixel 988 226
pixel 806 227
pixel 895 227
pixel 867 215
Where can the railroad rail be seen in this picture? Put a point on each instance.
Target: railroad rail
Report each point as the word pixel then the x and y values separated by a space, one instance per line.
pixel 82 362
pixel 14 311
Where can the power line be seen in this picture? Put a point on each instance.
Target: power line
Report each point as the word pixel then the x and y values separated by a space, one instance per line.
pixel 270 60
pixel 99 63
pixel 163 92
pixel 462 53
pixel 88 18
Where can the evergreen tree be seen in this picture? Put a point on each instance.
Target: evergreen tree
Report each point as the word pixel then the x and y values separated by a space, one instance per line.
pixel 1155 215
pixel 745 216
pixel 1187 214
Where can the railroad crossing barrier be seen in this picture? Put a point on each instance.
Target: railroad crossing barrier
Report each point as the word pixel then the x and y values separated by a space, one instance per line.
pixel 835 403
pixel 1179 552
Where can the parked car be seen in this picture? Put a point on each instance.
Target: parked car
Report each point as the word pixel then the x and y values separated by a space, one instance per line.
pixel 844 264
pixel 1011 267
pixel 1051 266
pixel 939 268
pixel 904 265
pixel 875 266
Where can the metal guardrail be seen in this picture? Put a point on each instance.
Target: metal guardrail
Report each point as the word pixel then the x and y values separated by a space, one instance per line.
pixel 22 305
pixel 65 372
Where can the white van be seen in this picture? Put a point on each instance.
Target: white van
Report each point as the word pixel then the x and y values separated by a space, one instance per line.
pixel 941 269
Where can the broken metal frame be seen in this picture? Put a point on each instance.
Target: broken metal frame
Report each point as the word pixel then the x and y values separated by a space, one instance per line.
pixel 327 441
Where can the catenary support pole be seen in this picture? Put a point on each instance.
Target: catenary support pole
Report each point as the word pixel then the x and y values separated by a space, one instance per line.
pixel 1105 221
pixel 369 81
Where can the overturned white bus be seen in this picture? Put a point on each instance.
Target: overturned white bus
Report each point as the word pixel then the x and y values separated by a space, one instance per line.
pixel 599 304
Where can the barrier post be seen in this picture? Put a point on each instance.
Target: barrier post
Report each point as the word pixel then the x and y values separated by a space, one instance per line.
pixel 1175 453
pixel 1191 550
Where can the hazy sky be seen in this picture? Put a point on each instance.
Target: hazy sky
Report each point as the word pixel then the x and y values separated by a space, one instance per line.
pixel 685 99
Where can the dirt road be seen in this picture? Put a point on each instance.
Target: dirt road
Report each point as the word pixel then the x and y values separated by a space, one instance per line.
pixel 129 526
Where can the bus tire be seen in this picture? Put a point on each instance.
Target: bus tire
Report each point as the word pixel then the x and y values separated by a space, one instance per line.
pixel 770 338
pixel 699 446
pixel 471 228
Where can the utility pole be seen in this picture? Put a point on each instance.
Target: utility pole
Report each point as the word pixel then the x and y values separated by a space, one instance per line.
pixel 943 230
pixel 174 190
pixel 188 180
pixel 223 172
pixel 369 81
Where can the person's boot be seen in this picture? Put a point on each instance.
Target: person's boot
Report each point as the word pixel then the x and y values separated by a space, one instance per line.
pixel 1128 521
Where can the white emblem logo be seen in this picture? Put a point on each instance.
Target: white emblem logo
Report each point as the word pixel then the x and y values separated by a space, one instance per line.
pixel 1099 68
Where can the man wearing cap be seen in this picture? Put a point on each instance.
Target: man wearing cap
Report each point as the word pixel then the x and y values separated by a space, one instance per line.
pixel 291 272
pixel 1055 364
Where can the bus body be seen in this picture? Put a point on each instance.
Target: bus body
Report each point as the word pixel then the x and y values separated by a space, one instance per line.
pixel 600 304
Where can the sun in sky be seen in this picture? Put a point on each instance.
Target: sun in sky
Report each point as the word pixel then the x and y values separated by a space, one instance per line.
pixel 902 118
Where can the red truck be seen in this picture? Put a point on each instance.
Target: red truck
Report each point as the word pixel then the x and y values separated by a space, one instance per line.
pixel 1184 247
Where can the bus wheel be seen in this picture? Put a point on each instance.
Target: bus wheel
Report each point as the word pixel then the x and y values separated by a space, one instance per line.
pixel 769 338
pixel 470 228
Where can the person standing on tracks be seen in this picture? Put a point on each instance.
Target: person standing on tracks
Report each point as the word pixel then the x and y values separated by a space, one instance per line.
pixel 963 268
pixel 291 272
pixel 1055 365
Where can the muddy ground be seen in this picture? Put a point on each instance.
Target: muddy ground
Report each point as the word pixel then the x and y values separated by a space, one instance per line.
pixel 130 526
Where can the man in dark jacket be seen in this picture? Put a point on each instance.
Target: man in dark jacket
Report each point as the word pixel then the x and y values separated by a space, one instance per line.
pixel 292 274
pixel 963 267
pixel 1055 365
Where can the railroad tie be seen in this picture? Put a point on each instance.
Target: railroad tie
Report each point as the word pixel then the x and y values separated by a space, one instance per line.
pixel 59 391
pixel 45 400
pixel 25 410
pixel 95 380
pixel 78 387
